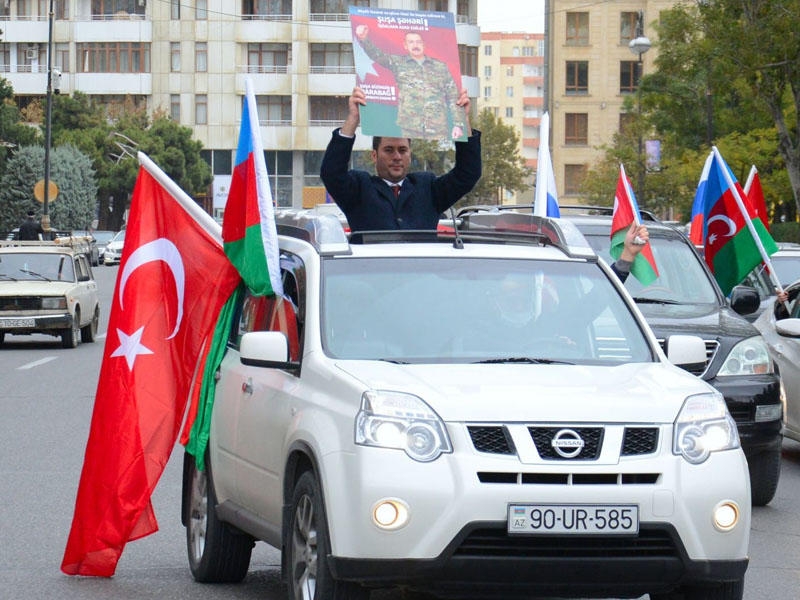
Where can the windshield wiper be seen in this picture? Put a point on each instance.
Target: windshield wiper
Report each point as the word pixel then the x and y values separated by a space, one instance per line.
pixel 9 277
pixel 655 301
pixel 395 361
pixel 523 359
pixel 35 274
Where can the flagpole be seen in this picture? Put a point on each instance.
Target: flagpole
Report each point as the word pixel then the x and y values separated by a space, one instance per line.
pixel 629 190
pixel 740 203
pixel 750 177
pixel 540 195
pixel 202 217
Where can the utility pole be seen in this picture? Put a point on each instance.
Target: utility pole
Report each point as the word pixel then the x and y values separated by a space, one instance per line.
pixel 48 125
pixel 639 45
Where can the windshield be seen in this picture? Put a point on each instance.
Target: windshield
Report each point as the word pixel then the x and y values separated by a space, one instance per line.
pixel 473 310
pixel 119 237
pixel 20 266
pixel 681 276
pixel 103 237
pixel 787 267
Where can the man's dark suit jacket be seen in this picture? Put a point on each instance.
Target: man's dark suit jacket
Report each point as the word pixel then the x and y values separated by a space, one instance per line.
pixel 369 203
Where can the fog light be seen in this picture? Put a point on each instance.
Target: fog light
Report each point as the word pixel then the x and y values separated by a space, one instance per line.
pixel 390 514
pixel 726 516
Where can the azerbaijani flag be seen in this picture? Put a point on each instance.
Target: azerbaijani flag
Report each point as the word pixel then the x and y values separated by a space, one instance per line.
pixel 696 224
pixel 626 212
pixel 735 241
pixel 248 227
pixel 545 200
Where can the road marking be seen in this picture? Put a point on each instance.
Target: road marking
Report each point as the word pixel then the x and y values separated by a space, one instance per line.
pixel 37 363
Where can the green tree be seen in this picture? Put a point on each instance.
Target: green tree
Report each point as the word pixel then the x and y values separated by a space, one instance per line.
pixel 503 166
pixel 70 170
pixel 13 132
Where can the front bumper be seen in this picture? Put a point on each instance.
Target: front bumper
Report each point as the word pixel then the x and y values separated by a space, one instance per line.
pixel 456 534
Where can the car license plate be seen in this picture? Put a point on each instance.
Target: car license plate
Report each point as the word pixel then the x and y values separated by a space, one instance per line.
pixel 17 322
pixel 549 519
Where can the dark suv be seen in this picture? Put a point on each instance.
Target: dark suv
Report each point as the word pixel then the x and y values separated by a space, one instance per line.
pixel 685 299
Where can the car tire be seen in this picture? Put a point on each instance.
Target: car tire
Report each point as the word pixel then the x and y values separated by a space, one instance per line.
pixel 71 335
pixel 218 553
pixel 308 547
pixel 765 470
pixel 89 332
pixel 726 590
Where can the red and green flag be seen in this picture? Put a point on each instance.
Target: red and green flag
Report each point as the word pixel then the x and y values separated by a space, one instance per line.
pixel 626 212
pixel 248 227
pixel 735 240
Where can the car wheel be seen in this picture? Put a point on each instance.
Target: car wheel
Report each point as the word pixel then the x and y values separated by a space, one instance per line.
pixel 765 470
pixel 217 552
pixel 726 590
pixel 308 546
pixel 71 335
pixel 89 332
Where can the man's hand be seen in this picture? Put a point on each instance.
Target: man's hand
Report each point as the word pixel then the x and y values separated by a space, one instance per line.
pixel 635 239
pixel 464 102
pixel 357 98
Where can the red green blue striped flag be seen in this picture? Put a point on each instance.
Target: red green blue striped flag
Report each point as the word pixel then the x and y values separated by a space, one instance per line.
pixel 249 235
pixel 626 211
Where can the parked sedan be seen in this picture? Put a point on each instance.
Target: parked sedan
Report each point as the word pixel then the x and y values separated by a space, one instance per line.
pixel 102 238
pixel 781 330
pixel 113 251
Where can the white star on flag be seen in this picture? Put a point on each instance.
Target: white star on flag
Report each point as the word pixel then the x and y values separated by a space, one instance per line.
pixel 130 346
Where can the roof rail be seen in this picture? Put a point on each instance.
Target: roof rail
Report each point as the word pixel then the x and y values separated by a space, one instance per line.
pixel 584 209
pixel 321 230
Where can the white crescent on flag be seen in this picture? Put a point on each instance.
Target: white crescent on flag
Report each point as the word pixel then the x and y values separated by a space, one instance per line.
pixel 725 219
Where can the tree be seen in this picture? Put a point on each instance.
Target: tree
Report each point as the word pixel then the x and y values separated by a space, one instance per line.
pixel 503 166
pixel 13 133
pixel 70 169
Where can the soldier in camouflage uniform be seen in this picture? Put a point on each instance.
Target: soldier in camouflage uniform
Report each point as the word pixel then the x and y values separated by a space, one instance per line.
pixel 427 94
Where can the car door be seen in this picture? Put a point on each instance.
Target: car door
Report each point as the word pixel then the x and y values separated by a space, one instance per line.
pixel 85 290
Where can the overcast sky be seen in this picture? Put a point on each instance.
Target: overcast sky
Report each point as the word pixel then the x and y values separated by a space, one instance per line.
pixel 511 15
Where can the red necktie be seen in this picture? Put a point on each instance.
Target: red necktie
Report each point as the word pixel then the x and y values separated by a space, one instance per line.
pixel 396 190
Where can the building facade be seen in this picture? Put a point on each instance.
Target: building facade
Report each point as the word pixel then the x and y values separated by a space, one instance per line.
pixel 511 68
pixel 591 70
pixel 190 58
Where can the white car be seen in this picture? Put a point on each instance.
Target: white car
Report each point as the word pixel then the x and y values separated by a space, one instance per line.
pixel 483 414
pixel 48 287
pixel 113 251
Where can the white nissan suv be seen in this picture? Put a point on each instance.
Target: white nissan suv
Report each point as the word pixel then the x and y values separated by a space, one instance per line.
pixel 481 413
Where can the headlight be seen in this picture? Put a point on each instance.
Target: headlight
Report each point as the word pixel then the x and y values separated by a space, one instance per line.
pixel 704 426
pixel 402 421
pixel 54 303
pixel 748 357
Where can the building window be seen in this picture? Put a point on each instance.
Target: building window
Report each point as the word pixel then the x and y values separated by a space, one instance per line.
pixel 175 107
pixel 261 10
pixel 576 129
pixel 327 110
pixel 201 109
pixel 628 23
pixel 113 57
pixel 577 77
pixel 487 71
pixel 175 57
pixel 468 57
pixel 509 71
pixel 487 50
pixel 5 58
pixel 105 10
pixel 628 76
pixel 573 178
pixel 432 5
pixel 509 112
pixel 577 29
pixel 529 51
pixel 462 11
pixel 269 57
pixel 332 58
pixel 333 10
pixel 510 91
pixel 487 91
pixel 175 9
pixel 201 10
pixel 274 110
pixel 626 121
pixel 279 167
pixel 201 57
pixel 61 56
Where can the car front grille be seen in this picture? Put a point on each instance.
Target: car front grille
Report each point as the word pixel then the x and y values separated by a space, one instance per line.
pixel 711 349
pixel 543 437
pixel 17 303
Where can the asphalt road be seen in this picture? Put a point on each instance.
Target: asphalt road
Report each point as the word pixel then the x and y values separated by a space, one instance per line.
pixel 46 398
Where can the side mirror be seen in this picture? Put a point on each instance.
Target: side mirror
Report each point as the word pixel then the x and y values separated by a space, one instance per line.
pixel 788 328
pixel 265 349
pixel 744 299
pixel 686 351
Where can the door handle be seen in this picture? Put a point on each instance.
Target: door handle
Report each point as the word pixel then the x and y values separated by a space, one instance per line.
pixel 247 387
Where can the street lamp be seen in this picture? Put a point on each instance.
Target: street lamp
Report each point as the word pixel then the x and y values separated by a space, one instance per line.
pixel 639 45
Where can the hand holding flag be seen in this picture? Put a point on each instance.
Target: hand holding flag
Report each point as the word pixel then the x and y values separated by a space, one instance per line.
pixel 626 216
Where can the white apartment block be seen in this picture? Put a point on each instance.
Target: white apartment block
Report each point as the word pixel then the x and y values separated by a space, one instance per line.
pixel 511 68
pixel 591 71
pixel 190 59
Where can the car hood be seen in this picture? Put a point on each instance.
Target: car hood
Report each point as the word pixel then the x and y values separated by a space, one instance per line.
pixel 521 392
pixel 708 321
pixel 34 288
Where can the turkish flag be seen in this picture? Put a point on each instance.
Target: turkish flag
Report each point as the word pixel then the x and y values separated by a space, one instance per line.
pixel 173 280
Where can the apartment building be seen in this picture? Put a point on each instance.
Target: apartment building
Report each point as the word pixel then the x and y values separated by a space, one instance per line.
pixel 190 58
pixel 511 68
pixel 591 71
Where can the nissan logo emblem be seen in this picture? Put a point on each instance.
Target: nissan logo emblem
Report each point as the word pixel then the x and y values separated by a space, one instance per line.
pixel 567 443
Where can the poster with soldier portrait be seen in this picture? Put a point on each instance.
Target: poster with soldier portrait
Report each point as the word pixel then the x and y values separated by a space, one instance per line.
pixel 407 64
